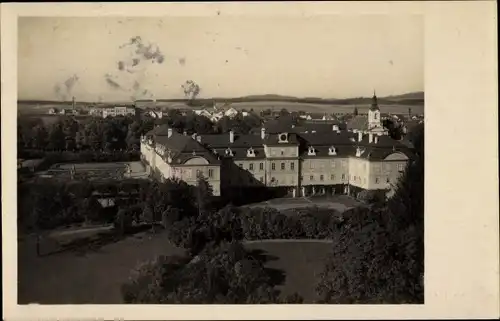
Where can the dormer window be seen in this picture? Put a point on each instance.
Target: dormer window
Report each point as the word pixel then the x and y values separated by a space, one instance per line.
pixel 332 151
pixel 283 138
pixel 229 152
pixel 311 151
pixel 250 152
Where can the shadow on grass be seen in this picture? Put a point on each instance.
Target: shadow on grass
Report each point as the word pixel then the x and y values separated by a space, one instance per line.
pixel 277 276
pixel 84 245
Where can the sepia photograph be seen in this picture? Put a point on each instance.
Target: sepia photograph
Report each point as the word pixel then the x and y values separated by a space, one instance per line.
pixel 205 161
pixel 198 161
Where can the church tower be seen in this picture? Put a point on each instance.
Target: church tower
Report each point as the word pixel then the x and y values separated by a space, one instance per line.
pixel 374 114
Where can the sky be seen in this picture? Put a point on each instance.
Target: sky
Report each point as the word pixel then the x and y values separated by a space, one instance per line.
pixel 113 58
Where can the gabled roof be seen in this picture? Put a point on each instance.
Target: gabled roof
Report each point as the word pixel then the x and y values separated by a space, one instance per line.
pixel 358 122
pixel 240 140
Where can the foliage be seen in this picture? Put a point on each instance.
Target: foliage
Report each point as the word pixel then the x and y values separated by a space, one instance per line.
pixel 378 254
pixel 225 274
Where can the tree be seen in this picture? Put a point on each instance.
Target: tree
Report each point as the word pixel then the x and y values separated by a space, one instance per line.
pixel 378 255
pixel 191 90
pixel 355 111
pixel 220 274
pixel 204 194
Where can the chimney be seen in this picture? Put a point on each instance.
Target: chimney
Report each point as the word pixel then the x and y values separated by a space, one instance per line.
pixel 198 138
pixel 360 136
pixel 370 138
pixel 170 131
pixel 262 133
pixel 231 136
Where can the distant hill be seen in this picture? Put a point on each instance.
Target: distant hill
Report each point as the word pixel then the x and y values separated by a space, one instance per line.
pixel 414 98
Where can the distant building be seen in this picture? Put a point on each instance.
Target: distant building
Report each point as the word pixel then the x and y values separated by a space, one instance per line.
pixel 302 164
pixel 118 111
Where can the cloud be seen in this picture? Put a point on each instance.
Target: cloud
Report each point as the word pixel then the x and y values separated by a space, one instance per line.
pixel 65 89
pixel 112 83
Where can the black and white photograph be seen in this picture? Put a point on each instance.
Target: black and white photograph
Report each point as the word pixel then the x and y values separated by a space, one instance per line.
pixel 222 159
pixel 148 174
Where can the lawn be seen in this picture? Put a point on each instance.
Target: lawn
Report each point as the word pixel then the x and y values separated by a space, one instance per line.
pixel 293 264
pixel 92 277
pixel 339 203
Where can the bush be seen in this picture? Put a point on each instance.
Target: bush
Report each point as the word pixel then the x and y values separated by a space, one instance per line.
pixel 217 275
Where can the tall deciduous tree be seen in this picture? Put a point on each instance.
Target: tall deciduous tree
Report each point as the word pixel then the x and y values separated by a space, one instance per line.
pixel 378 256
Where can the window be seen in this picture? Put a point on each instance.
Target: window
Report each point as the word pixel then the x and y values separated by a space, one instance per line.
pixel 343 176
pixel 292 166
pixel 376 180
pixel 250 167
pixel 332 177
pixel 333 163
pixel 240 165
pixel 198 173
pixel 311 178
pixel 273 166
pixel 261 166
pixel 210 173
pixel 388 180
pixel 321 177
pixel 311 164
pixel 400 167
pixel 282 152
pixel 282 166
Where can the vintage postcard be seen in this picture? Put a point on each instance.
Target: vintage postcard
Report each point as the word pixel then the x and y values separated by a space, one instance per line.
pixel 249 160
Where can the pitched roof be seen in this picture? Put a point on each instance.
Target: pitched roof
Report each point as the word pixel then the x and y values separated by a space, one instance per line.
pixel 358 122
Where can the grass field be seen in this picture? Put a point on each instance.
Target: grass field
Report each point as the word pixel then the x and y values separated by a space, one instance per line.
pixel 294 264
pixel 339 203
pixel 79 277
pixel 94 276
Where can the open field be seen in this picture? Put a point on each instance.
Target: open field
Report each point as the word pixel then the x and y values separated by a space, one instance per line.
pixel 80 278
pixel 339 203
pixel 94 276
pixel 395 107
pixel 326 108
pixel 294 264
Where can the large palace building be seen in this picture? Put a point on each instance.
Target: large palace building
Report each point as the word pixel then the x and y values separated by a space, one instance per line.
pixel 303 164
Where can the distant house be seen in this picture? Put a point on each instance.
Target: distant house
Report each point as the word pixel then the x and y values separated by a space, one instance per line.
pixel 118 111
pixel 203 112
pixel 68 111
pixel 231 112
pixel 156 114
pixel 53 111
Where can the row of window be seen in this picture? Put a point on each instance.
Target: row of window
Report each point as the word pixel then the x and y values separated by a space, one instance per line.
pixel 198 172
pixel 292 166
pixel 273 166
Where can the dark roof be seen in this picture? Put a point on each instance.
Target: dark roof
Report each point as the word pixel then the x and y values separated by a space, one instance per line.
pixel 358 122
pixel 240 140
pixel 273 139
pixel 374 105
pixel 183 148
